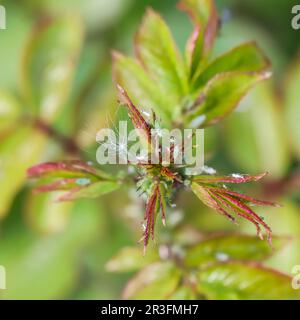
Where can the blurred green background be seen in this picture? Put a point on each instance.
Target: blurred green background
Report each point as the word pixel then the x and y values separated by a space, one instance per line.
pixel 59 251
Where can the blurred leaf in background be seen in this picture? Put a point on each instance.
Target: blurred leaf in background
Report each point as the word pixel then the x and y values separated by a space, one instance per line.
pixel 56 92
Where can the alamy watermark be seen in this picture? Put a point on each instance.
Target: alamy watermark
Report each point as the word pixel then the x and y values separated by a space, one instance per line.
pixel 161 146
pixel 296 17
pixel 2 278
pixel 2 18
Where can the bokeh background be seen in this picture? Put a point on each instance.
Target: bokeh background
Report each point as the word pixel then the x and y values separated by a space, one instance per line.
pixel 59 251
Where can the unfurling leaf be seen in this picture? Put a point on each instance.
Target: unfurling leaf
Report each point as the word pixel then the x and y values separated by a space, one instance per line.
pixel 221 199
pixel 136 117
pixel 80 179
pixel 234 178
pixel 94 190
pixel 143 91
pixel 205 17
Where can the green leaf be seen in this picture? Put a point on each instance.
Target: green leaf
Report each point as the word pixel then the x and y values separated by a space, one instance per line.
pixel 140 87
pixel 158 54
pixel 237 280
pixel 17 152
pixel 199 10
pixel 94 190
pixel 292 110
pixel 252 141
pixel 49 65
pixel 228 247
pixel 9 110
pixel 67 169
pixel 221 95
pixel 131 259
pixel 156 281
pixel 205 17
pixel 245 58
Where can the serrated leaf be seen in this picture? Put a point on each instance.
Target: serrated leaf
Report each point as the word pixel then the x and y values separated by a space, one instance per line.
pixel 140 87
pixel 235 178
pixel 226 202
pixel 49 64
pixel 245 58
pixel 80 179
pixel 237 280
pixel 136 117
pixel 292 108
pixel 157 52
pixel 231 247
pixel 66 169
pixel 205 17
pixel 94 190
pixel 199 10
pixel 204 195
pixel 156 281
pixel 131 259
pixel 9 110
pixel 221 95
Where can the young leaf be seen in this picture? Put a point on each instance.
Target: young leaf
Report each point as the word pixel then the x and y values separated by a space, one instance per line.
pixel 203 194
pixel 94 190
pixel 234 178
pixel 79 178
pixel 223 199
pixel 49 64
pixel 136 117
pixel 221 95
pixel 245 58
pixel 140 87
pixel 231 247
pixel 236 280
pixel 156 281
pixel 66 169
pixel 157 52
pixel 205 17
